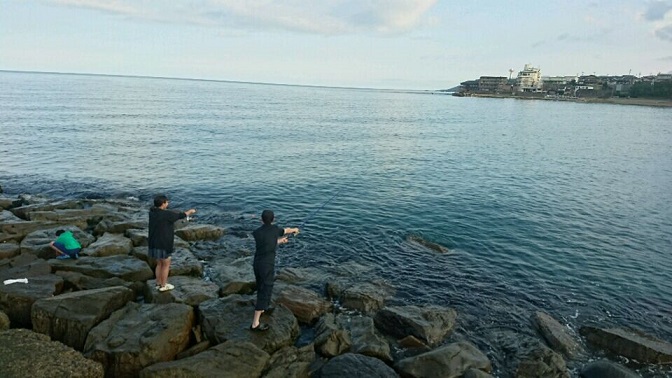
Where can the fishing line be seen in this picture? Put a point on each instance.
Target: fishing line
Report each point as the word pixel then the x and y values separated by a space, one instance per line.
pixel 319 208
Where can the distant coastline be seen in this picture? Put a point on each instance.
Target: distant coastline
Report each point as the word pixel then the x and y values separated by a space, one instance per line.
pixel 661 103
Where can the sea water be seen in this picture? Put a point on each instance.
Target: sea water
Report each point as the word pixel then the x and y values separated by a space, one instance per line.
pixel 552 206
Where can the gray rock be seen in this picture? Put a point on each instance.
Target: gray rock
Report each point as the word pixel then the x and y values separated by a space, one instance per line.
pixel 182 262
pixel 37 242
pixel 430 324
pixel 475 373
pixel 555 334
pixel 24 353
pixel 195 232
pixel 118 225
pixel 330 338
pixel 9 250
pixel 139 238
pixel 230 359
pixel 542 362
pixel 607 369
pixel 630 344
pixel 450 361
pixel 138 336
pixel 8 216
pixel 17 299
pixel 41 204
pixel 356 366
pixel 68 318
pixel 427 244
pixel 236 277
pixel 75 281
pixel 305 304
pixel 365 297
pixel 365 338
pixel 17 231
pixel 109 245
pixel 292 362
pixel 4 322
pixel 229 318
pixel 127 268
pixel 188 290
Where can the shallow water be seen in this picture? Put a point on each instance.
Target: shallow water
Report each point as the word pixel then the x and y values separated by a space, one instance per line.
pixel 552 206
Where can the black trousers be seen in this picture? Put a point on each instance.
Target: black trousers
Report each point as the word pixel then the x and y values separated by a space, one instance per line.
pixel 264 275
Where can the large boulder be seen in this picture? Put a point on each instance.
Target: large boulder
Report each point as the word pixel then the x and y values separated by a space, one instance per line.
pixel 127 268
pixel 365 338
pixel 17 299
pixel 229 318
pixel 607 369
pixel 118 225
pixel 188 290
pixel 236 277
pixel 630 344
pixel 366 297
pixel 430 324
pixel 330 338
pixel 305 304
pixel 37 242
pixel 33 204
pixel 74 281
pixel 69 317
pixel 555 334
pixel 138 336
pixel 24 353
pixel 450 361
pixel 17 230
pixel 356 366
pixel 230 359
pixel 109 245
pixel 292 362
pixel 195 232
pixel 542 362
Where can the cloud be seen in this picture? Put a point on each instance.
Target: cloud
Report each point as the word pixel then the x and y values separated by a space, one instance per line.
pixel 664 33
pixel 325 17
pixel 656 10
pixel 666 58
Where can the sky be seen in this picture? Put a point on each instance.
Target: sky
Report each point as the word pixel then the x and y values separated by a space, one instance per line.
pixel 392 44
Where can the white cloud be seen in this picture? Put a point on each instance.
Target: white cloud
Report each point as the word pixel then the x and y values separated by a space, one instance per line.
pixel 660 14
pixel 317 17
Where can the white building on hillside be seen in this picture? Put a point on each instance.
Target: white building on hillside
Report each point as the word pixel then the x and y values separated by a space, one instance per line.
pixel 529 79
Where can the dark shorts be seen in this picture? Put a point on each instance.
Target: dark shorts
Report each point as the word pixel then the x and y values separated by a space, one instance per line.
pixel 160 254
pixel 69 252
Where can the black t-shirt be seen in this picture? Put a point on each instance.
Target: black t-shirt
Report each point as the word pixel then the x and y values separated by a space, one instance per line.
pixel 161 228
pixel 266 238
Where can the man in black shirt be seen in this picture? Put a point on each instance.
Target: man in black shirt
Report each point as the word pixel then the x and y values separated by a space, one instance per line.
pixel 161 236
pixel 267 237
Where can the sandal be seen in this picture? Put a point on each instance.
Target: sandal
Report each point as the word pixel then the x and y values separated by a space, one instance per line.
pixel 260 328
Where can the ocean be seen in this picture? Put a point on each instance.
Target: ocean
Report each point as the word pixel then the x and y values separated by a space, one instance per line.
pixel 545 206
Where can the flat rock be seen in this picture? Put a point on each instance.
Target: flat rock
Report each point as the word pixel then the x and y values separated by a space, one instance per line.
pixel 195 232
pixel 430 324
pixel 17 230
pixel 69 317
pixel 305 304
pixel 127 268
pixel 229 359
pixel 188 290
pixel 353 365
pixel 556 335
pixel 138 336
pixel 108 245
pixel 452 360
pixel 24 353
pixel 630 344
pixel 229 318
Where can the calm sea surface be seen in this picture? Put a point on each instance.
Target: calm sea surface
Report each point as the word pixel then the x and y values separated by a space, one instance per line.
pixel 552 206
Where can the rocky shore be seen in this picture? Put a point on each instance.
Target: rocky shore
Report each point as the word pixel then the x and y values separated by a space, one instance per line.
pixel 101 316
pixel 658 103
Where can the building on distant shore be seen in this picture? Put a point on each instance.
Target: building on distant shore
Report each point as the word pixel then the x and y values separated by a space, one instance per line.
pixel 493 84
pixel 529 79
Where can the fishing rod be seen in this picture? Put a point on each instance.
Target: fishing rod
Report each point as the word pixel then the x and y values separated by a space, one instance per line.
pixel 318 209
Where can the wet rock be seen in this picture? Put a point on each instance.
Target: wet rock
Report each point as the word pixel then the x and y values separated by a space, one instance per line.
pixel 427 244
pixel 127 268
pixel 229 318
pixel 356 366
pixel 37 242
pixel 24 353
pixel 542 362
pixel 9 250
pixel 138 336
pixel 17 299
pixel 365 338
pixel 4 321
pixel 555 334
pixel 69 317
pixel 118 225
pixel 294 275
pixel 109 245
pixel 195 232
pixel 188 290
pixel 236 277
pixel 430 324
pixel 452 360
pixel 291 362
pixel 230 359
pixel 630 344
pixel 182 262
pixel 606 369
pixel 330 338
pixel 305 304
pixel 366 297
